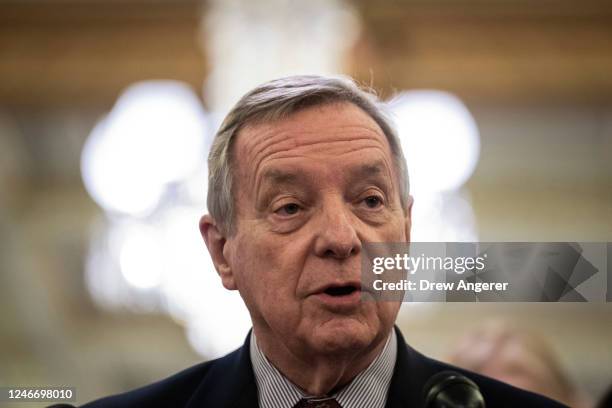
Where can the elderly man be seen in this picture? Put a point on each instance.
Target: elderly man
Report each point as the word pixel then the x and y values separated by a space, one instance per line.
pixel 303 171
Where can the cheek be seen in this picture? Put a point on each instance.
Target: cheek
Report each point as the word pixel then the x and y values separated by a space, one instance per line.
pixel 266 270
pixel 386 311
pixel 395 230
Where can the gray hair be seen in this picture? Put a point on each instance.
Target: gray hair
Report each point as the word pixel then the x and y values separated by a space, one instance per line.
pixel 278 99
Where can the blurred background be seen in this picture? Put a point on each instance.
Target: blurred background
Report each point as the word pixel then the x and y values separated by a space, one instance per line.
pixel 107 109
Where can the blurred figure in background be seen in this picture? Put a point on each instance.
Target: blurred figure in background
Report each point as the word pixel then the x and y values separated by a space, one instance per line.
pixel 518 357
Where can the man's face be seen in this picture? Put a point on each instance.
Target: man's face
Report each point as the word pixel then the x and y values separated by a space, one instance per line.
pixel 310 190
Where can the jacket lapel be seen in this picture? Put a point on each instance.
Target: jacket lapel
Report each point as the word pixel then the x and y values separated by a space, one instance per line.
pixel 229 383
pixel 409 376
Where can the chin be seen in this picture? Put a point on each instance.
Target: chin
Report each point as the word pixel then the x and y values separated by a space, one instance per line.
pixel 343 335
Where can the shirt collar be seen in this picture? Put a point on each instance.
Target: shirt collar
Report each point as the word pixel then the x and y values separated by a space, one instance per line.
pixel 368 389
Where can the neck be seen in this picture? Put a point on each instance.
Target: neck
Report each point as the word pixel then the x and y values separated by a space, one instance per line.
pixel 318 375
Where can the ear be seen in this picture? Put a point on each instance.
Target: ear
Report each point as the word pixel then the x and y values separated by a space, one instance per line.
pixel 408 215
pixel 216 243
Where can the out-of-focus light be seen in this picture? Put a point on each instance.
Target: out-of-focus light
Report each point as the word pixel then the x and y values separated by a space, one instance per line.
pixel 154 135
pixel 110 181
pixel 216 318
pixel 221 329
pixel 439 137
pixel 195 187
pixel 140 257
pixel 284 37
pixel 166 122
pixel 443 217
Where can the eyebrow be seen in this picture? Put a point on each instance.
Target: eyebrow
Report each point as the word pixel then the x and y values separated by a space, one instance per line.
pixel 277 176
pixel 271 181
pixel 376 172
pixel 367 170
pixel 273 178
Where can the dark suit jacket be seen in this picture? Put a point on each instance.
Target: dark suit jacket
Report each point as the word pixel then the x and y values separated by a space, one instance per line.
pixel 229 382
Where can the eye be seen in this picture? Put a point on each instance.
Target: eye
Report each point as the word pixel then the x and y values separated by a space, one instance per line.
pixel 373 201
pixel 288 209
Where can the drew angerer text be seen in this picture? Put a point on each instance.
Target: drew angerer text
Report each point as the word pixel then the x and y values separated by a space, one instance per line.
pixel 425 285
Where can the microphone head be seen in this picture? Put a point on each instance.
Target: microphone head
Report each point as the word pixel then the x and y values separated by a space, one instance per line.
pixel 449 389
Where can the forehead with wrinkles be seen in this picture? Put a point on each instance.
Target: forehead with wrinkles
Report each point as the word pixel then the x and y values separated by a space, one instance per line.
pixel 318 133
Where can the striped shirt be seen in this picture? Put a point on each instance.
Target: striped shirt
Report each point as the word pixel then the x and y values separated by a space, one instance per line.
pixel 367 390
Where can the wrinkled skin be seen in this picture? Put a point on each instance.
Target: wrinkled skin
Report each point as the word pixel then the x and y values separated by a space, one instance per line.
pixel 310 190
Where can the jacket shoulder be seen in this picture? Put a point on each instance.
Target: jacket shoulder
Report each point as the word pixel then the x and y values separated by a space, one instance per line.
pixel 173 391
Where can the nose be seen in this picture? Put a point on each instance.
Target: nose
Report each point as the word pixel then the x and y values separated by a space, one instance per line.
pixel 336 236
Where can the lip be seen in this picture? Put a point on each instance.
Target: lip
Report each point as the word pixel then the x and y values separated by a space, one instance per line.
pixel 339 303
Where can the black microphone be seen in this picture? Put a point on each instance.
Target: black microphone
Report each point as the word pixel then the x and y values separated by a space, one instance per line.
pixel 449 389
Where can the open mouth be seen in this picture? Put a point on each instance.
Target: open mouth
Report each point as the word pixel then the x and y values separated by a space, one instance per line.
pixel 344 290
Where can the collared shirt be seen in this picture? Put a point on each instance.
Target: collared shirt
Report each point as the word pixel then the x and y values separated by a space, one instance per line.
pixel 367 390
